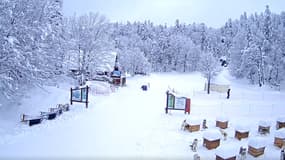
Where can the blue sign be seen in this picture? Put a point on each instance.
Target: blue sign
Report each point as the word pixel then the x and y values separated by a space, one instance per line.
pixel 76 95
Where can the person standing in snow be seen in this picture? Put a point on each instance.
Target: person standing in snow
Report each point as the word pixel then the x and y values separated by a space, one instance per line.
pixel 228 93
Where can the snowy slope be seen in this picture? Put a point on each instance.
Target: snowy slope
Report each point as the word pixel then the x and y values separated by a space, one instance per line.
pixel 131 123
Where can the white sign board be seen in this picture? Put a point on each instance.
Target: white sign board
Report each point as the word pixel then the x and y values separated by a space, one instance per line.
pixel 180 103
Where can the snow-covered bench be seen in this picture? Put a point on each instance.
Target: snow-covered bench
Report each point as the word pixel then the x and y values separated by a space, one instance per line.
pixel 64 107
pixel 57 110
pixel 31 120
pixel 211 139
pixel 226 152
pixel 280 123
pixel 256 146
pixel 193 125
pixel 222 122
pixel 279 138
pixel 49 115
pixel 264 127
pixel 241 131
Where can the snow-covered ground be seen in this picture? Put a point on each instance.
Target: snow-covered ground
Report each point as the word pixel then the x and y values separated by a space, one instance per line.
pixel 131 123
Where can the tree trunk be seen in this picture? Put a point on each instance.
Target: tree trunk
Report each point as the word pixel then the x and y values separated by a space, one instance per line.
pixel 209 81
pixel 261 68
pixel 184 65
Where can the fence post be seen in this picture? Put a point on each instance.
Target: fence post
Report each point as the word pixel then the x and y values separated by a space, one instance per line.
pixel 87 88
pixel 71 96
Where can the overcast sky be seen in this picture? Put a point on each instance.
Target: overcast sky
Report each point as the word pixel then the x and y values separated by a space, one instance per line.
pixel 214 13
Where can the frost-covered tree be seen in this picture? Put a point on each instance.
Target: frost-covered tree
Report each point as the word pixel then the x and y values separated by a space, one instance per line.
pixel 27 52
pixel 209 66
pixel 133 61
pixel 88 42
pixel 256 51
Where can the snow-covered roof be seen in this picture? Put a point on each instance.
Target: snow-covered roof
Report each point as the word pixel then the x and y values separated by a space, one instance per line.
pixel 222 119
pixel 193 121
pixel 212 135
pixel 242 128
pixel 257 142
pixel 264 123
pixel 281 119
pixel 227 151
pixel 280 133
pixel 222 78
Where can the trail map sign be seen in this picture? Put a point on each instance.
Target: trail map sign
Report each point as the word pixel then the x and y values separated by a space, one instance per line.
pixel 177 103
pixel 79 95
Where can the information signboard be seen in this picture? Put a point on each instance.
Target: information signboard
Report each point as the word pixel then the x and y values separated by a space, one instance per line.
pixel 79 95
pixel 174 102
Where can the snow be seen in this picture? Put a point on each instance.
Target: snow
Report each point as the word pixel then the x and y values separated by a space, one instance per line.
pixel 212 135
pixel 222 78
pixel 193 121
pixel 242 128
pixel 99 87
pixel 257 142
pixel 263 123
pixel 131 123
pixel 281 119
pixel 280 133
pixel 227 151
pixel 222 119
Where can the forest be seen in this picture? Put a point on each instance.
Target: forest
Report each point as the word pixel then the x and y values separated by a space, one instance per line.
pixel 38 44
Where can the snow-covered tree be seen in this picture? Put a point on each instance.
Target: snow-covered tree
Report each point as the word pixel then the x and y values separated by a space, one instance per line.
pixel 88 42
pixel 209 66
pixel 28 55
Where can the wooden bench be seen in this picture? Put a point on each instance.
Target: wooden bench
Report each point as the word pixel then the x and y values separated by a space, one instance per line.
pixel 211 144
pixel 57 110
pixel 230 158
pixel 280 125
pixel 222 122
pixel 255 152
pixel 193 128
pixel 64 107
pixel 193 125
pixel 31 120
pixel 279 138
pixel 211 139
pixel 222 125
pixel 226 152
pixel 256 146
pixel 263 127
pixel 240 135
pixel 263 130
pixel 279 142
pixel 49 115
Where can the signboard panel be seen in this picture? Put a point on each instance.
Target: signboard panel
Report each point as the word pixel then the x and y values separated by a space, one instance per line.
pixel 84 94
pixel 170 101
pixel 76 95
pixel 180 103
pixel 79 95
pixel 177 103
